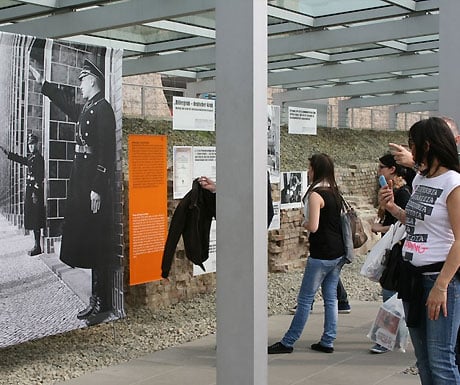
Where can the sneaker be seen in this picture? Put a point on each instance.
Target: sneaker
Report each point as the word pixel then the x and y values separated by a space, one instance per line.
pixel 321 348
pixel 279 348
pixel 378 349
pixel 344 308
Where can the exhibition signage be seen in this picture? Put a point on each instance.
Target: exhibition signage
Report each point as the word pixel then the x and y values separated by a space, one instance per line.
pixel 193 114
pixel 148 216
pixel 302 121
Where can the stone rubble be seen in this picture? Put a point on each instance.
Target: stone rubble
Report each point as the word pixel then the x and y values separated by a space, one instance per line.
pixel 57 358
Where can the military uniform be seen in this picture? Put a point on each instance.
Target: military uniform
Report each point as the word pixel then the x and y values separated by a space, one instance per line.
pixel 34 209
pixel 87 237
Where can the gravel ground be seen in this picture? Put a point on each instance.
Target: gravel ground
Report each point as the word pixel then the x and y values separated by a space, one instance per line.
pixel 143 331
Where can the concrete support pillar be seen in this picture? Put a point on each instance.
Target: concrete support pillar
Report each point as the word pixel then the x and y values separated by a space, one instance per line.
pixel 241 144
pixel 449 57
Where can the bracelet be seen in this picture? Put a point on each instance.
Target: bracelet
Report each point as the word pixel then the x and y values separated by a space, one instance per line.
pixel 440 289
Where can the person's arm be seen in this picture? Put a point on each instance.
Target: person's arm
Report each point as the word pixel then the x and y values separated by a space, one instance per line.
pixel 386 199
pixel 17 158
pixel 315 203
pixel 379 228
pixel 402 155
pixel 437 299
pixel 64 101
pixel 207 183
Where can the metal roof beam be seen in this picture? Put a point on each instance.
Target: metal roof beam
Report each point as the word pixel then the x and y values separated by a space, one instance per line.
pixel 364 78
pixel 312 41
pixel 108 16
pixel 381 87
pixel 174 61
pixel 343 71
pixel 386 100
pixel 43 3
pixel 12 13
pixel 203 86
pixel 406 4
pixel 352 55
pixel 374 14
pixel 365 34
pixel 105 42
pixel 293 17
pixel 417 107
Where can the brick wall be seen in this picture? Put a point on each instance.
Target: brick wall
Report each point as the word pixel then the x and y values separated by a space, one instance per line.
pixel 143 96
pixel 66 62
pixel 287 247
pixel 181 285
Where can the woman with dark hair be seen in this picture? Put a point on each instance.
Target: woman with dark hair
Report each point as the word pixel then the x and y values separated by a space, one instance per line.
pixel 430 286
pixel 401 178
pixel 323 204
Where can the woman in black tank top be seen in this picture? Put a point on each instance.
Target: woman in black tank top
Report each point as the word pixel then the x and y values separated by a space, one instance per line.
pixel 322 219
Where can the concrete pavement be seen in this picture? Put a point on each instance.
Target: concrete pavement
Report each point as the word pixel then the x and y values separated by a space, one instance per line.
pixel 35 300
pixel 195 362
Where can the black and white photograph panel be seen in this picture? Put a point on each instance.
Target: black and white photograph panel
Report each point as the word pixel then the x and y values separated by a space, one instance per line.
pixel 60 128
pixel 273 142
pixel 292 186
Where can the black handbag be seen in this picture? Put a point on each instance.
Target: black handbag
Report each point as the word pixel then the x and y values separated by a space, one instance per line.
pixel 392 262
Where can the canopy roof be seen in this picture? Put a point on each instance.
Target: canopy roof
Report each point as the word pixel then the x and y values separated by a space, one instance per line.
pixel 376 51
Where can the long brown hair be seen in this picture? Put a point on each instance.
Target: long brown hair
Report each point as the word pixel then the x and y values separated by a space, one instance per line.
pixel 323 171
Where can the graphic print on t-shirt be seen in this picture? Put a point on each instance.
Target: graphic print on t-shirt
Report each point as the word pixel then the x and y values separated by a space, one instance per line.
pixel 420 205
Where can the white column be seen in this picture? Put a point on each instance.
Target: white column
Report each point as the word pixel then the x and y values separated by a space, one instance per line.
pixel 241 142
pixel 449 57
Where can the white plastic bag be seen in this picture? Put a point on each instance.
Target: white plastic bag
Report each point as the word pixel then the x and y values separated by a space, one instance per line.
pixel 389 328
pixel 373 267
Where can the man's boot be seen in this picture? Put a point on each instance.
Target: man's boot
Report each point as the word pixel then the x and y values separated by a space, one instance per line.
pixel 37 249
pixel 99 314
pixel 85 313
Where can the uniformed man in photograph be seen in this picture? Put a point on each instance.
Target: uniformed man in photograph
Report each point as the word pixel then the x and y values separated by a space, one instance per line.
pixel 34 208
pixel 87 236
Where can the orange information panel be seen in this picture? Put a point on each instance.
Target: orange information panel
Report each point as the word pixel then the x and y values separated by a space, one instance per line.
pixel 148 216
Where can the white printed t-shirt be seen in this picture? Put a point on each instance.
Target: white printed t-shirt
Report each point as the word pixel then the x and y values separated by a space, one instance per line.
pixel 429 233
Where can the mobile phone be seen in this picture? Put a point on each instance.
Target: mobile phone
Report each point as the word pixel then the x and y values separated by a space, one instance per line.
pixel 382 181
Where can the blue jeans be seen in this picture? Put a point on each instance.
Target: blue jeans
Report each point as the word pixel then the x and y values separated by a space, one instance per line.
pixel 387 294
pixel 324 273
pixel 434 341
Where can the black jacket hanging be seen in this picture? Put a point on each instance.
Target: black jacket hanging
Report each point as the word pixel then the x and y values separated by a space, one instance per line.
pixel 191 219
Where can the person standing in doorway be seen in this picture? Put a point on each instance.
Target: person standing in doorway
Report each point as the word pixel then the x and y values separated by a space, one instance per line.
pixel 87 236
pixel 34 208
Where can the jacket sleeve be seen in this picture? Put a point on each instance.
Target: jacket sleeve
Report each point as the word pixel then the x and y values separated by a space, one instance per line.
pixel 175 231
pixel 17 158
pixel 62 100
